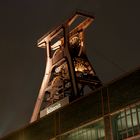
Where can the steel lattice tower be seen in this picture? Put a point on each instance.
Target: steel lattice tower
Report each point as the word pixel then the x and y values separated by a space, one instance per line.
pixel 68 72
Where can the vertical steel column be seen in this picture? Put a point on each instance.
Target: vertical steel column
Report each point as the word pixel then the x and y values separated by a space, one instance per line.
pixel 69 59
pixel 106 114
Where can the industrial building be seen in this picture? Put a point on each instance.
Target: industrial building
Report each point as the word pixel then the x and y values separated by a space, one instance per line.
pixel 112 112
pixel 72 103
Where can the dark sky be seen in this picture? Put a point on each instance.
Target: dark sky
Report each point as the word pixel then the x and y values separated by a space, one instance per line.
pixel 113 47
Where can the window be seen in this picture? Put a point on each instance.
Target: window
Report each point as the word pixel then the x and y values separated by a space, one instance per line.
pixel 93 131
pixel 126 123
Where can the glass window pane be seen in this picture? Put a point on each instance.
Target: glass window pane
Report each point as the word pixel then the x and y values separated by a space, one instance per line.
pixel 119 125
pixel 135 120
pixel 93 131
pixel 123 121
pixel 126 124
pixel 128 112
pixel 129 121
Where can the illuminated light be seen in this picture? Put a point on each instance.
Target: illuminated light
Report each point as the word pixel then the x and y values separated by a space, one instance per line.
pixel 80 68
pixel 53 108
pixel 58 69
pixel 76 69
pixel 42 45
pixel 56 45
pixel 74 40
pixel 82 43
pixel 50 109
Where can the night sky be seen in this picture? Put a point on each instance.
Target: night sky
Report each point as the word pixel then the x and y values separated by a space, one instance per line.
pixel 112 42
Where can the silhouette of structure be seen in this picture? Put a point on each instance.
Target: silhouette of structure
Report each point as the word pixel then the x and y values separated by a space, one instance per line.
pixel 69 73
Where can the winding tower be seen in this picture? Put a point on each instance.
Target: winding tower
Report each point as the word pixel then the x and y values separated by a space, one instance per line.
pixel 69 74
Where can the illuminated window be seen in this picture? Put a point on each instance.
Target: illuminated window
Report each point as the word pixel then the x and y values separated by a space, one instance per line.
pixel 90 132
pixel 126 123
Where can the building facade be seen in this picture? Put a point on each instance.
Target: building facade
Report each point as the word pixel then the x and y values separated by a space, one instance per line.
pixel 112 112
